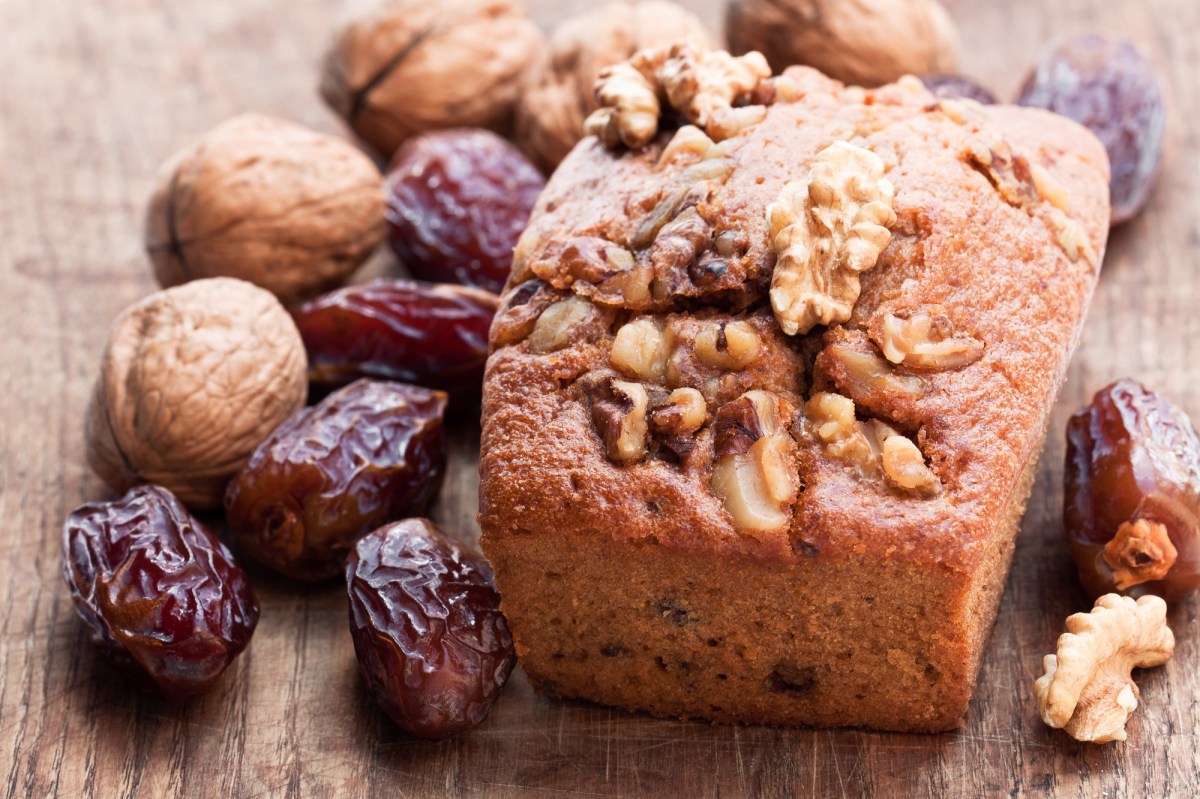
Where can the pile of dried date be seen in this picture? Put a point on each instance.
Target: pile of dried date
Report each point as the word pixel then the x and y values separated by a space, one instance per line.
pixel 201 404
pixel 203 398
pixel 311 412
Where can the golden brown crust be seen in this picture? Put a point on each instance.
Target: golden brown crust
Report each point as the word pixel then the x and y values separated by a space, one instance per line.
pixel 1007 266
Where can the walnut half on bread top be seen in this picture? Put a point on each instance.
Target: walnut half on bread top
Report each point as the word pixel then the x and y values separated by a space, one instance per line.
pixel 767 393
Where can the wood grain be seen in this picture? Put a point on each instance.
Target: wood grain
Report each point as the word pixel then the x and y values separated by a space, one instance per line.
pixel 95 94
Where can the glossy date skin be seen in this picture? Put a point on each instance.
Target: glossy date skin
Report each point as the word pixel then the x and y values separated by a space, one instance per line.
pixel 369 453
pixel 457 201
pixel 950 86
pixel 1132 455
pixel 157 590
pixel 430 334
pixel 1105 84
pixel 432 646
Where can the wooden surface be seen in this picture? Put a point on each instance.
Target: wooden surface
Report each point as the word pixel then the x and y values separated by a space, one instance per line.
pixel 94 94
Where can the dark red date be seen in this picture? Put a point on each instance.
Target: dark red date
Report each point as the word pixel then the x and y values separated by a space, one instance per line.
pixel 433 648
pixel 158 591
pixel 434 335
pixel 950 86
pixel 365 455
pixel 457 203
pixel 1132 494
pixel 1105 84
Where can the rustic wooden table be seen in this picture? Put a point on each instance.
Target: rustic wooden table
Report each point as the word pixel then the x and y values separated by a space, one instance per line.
pixel 95 94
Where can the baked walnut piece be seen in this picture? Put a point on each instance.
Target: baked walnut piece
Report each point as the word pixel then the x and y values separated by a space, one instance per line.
pixel 768 465
pixel 701 84
pixel 825 230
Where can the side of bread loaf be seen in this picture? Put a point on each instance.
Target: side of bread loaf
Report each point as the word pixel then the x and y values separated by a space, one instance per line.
pixel 692 513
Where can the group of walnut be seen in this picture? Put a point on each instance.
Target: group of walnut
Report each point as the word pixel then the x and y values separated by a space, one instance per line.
pixel 668 376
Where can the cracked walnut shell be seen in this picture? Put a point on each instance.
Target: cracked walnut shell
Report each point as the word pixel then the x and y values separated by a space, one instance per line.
pixel 268 201
pixel 552 108
pixel 1086 689
pixel 861 42
pixel 825 230
pixel 414 66
pixel 192 380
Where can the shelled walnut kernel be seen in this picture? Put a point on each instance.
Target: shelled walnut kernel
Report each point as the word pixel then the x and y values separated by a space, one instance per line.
pixel 825 230
pixel 684 411
pixel 554 327
pixel 551 111
pixel 705 86
pixel 925 340
pixel 753 473
pixel 728 345
pixel 619 410
pixel 702 83
pixel 1086 689
pixel 875 448
pixel 641 348
pixel 904 465
pixel 832 420
pixel 627 96
pixel 864 375
pixel 1139 552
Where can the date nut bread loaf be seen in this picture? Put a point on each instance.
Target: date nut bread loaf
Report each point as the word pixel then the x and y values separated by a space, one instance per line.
pixel 768 386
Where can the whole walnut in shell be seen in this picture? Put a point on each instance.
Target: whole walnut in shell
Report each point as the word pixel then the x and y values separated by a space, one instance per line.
pixel 551 112
pixel 268 201
pixel 416 65
pixel 193 379
pixel 861 42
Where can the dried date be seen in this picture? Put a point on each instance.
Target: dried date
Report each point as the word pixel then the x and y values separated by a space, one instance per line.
pixel 434 335
pixel 950 86
pixel 1105 84
pixel 457 201
pixel 365 455
pixel 158 591
pixel 1132 494
pixel 433 648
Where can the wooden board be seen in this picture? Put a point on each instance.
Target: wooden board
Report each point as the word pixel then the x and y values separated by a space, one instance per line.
pixel 95 94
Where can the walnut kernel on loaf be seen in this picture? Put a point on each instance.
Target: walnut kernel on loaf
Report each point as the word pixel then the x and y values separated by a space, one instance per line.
pixel 767 394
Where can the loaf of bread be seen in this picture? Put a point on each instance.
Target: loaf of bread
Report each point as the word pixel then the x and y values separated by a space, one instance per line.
pixel 767 394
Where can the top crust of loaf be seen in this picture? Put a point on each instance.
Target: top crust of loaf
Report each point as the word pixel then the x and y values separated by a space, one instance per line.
pixel 985 237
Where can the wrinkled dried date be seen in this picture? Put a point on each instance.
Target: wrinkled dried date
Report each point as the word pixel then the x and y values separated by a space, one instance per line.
pixel 159 592
pixel 365 455
pixel 457 202
pixel 1133 474
pixel 434 335
pixel 949 86
pixel 432 645
pixel 1105 84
